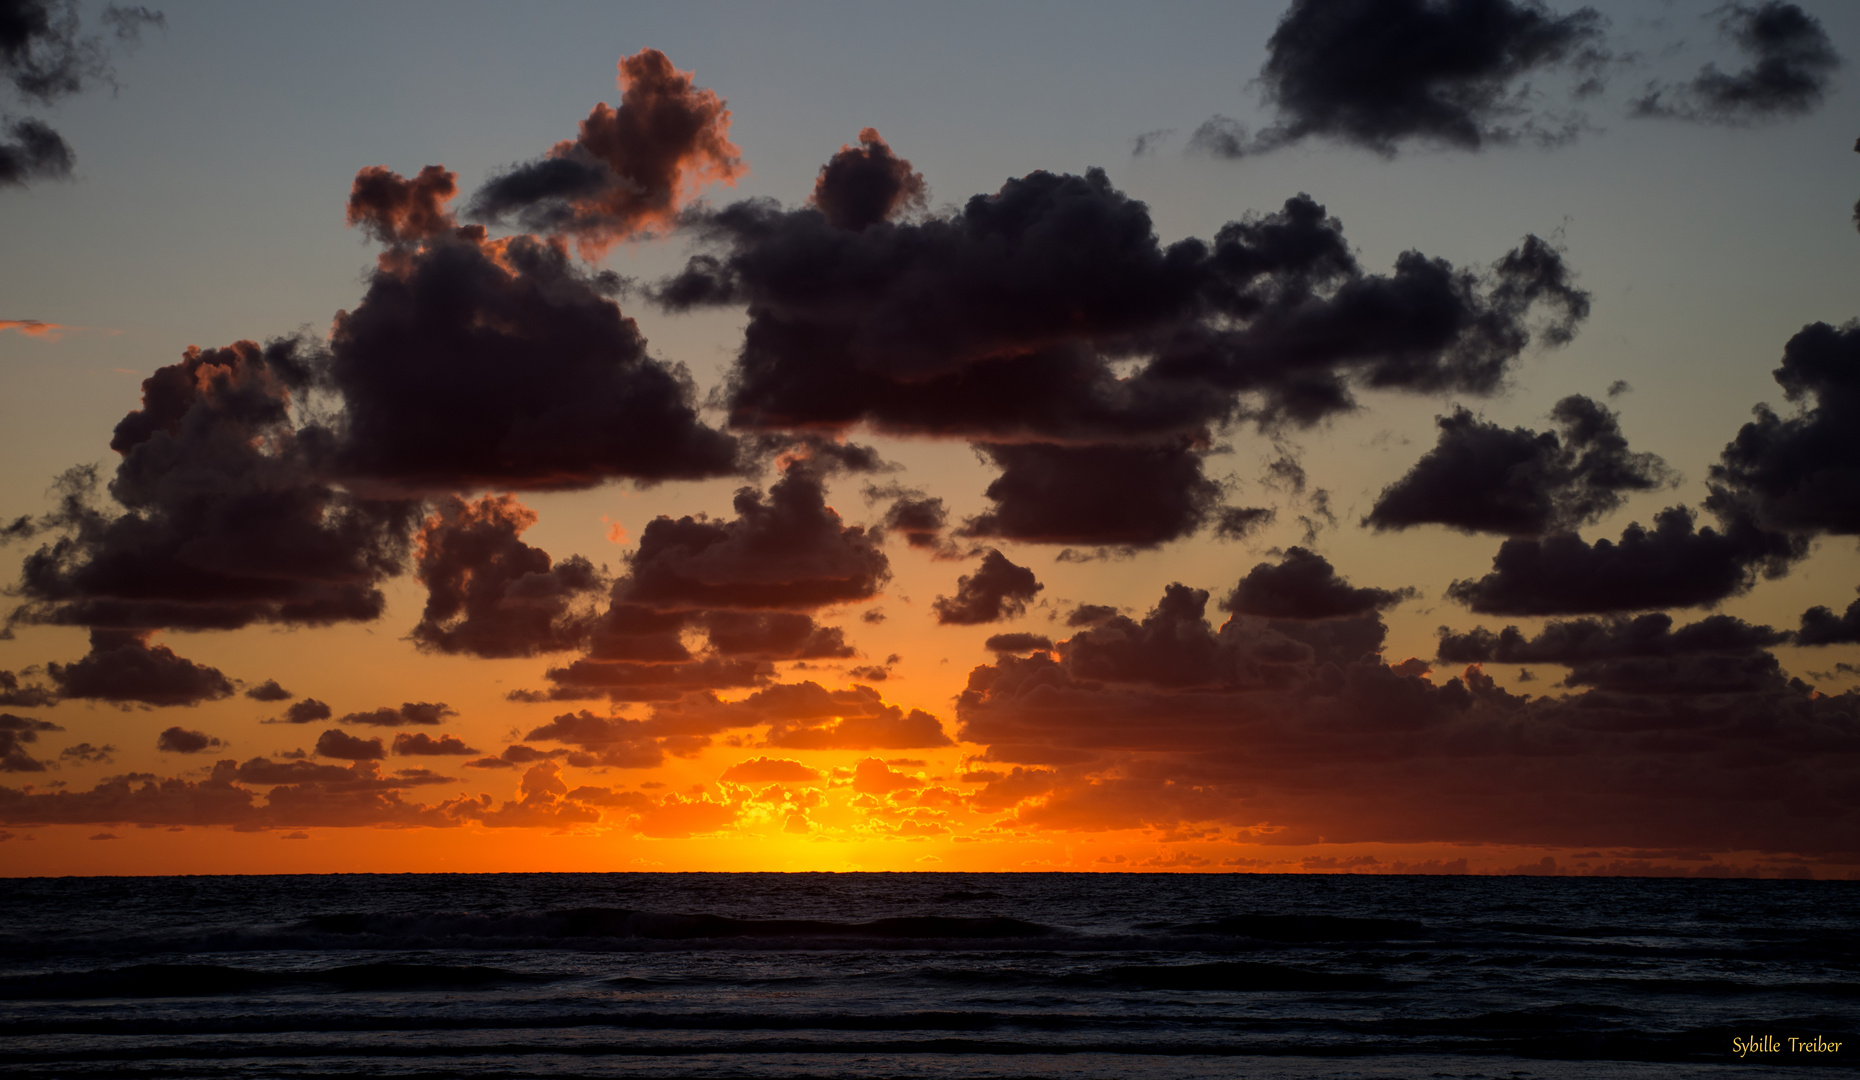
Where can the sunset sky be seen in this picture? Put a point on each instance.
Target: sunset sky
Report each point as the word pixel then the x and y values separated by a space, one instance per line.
pixel 1387 437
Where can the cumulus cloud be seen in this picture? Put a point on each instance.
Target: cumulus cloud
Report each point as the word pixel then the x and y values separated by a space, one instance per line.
pixel 269 690
pixel 767 770
pixel 180 740
pixel 1674 564
pixel 805 716
pixel 786 550
pixel 1048 324
pixel 1821 626
pixel 1644 655
pixel 1802 472
pixel 490 594
pixel 1482 477
pixel 1380 73
pixel 410 712
pixel 627 171
pixel 123 667
pixel 46 56
pixel 15 733
pixel 225 518
pixel 1791 63
pixel 24 695
pixel 1304 585
pixel 1288 747
pixel 997 590
pixel 436 366
pixel 307 711
pixel 336 743
pixel 864 185
pixel 420 743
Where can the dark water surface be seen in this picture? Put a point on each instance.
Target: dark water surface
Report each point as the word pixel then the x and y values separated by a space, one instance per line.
pixel 932 975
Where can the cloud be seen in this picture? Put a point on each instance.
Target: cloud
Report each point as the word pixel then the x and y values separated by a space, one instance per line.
pixel 806 716
pixel 395 210
pixel 410 712
pixel 35 152
pixel 1290 749
pixel 225 518
pixel 864 185
pixel 86 754
pixel 15 733
pixel 1017 643
pixel 767 770
pixel 614 741
pixel 1820 626
pixel 1802 472
pixel 307 711
pixel 45 56
pixel 269 690
pixel 790 550
pixel 340 744
pixel 628 169
pixel 33 328
pixel 1672 565
pixel 1135 496
pixel 1378 73
pixel 1791 63
pixel 420 743
pixel 26 696
pixel 1048 324
pixel 122 667
pixel 1304 585
pixel 1644 655
pixel 918 517
pixel 773 635
pixel 441 392
pixel 1481 477
pixel 488 593
pixel 179 740
pixel 997 590
pixel 873 777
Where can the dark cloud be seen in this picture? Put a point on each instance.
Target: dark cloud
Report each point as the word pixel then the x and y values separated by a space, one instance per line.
pixel 1377 73
pixel 35 152
pixel 774 635
pixel 1048 323
pixel 875 672
pixel 1304 585
pixel 46 56
pixel 1482 477
pixel 122 667
pixel 1821 626
pixel 864 185
pixel 336 743
pixel 179 740
pixel 225 519
pixel 490 594
pixel 625 681
pixel 27 696
pixel 805 716
pixel 395 210
pixel 1672 565
pixel 997 590
pixel 15 733
pixel 307 711
pixel 788 550
pixel 1645 655
pixel 612 741
pixel 1133 496
pixel 269 690
pixel 1803 472
pixel 410 712
pixel 1242 522
pixel 1017 643
pixel 437 368
pixel 1171 723
pixel 86 754
pixel 420 743
pixel 628 169
pixel 1791 63
pixel 918 517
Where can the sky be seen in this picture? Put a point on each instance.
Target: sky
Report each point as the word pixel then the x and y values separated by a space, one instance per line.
pixel 1400 437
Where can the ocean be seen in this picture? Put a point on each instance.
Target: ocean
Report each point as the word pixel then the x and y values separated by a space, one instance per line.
pixel 927 975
